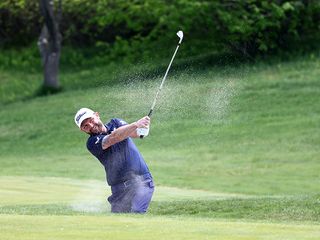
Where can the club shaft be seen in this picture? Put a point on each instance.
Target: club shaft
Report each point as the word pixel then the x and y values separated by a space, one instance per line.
pixel 163 80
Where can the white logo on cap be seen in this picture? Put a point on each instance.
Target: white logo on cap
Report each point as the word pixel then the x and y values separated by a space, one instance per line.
pixel 80 115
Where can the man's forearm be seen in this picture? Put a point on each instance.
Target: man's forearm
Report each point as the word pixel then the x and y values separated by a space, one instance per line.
pixel 118 135
pixel 123 132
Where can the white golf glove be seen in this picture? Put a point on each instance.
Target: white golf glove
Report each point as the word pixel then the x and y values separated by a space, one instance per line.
pixel 143 132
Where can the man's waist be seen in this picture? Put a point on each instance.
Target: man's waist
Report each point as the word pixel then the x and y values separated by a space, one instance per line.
pixel 131 181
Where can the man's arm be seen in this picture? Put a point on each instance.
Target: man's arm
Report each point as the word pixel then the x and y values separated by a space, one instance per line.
pixel 134 134
pixel 124 132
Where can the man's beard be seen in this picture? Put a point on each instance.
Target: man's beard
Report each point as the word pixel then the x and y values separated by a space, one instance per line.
pixel 97 128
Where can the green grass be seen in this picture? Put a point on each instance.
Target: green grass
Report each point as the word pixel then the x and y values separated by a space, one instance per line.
pixel 62 208
pixel 65 196
pixel 305 209
pixel 229 145
pixel 217 131
pixel 146 227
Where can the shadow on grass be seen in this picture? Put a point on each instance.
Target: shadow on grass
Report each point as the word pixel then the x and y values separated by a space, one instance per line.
pixel 45 91
pixel 118 74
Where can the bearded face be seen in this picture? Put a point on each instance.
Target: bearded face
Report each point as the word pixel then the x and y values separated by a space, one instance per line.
pixel 92 125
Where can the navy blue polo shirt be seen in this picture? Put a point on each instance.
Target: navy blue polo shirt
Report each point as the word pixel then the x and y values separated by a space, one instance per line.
pixel 122 161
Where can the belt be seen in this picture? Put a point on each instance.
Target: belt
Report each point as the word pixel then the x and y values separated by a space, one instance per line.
pixel 129 182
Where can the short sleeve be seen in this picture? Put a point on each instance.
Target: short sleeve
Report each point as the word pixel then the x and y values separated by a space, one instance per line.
pixel 94 144
pixel 119 122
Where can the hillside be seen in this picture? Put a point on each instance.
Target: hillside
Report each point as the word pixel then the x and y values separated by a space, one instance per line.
pixel 250 129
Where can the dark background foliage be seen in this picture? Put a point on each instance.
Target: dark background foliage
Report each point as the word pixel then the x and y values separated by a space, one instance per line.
pixel 248 27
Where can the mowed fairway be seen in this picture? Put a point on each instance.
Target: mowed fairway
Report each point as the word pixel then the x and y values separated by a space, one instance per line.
pixel 234 152
pixel 146 227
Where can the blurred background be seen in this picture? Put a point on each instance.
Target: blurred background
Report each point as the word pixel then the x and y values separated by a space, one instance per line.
pixel 105 33
pixel 235 133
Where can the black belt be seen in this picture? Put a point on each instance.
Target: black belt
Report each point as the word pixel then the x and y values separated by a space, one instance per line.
pixel 129 182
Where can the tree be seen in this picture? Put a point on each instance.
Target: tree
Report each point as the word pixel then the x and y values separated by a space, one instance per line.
pixel 49 44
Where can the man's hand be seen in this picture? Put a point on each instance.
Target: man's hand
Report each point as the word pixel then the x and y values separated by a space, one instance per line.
pixel 143 122
pixel 143 126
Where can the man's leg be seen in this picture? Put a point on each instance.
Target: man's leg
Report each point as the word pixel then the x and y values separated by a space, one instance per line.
pixel 142 196
pixel 121 201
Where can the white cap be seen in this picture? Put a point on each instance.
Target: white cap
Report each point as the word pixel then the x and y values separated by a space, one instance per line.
pixel 83 114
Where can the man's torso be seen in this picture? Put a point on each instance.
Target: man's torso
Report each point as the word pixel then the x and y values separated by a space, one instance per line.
pixel 122 161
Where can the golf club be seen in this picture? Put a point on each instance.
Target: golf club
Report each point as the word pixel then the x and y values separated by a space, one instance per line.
pixel 144 131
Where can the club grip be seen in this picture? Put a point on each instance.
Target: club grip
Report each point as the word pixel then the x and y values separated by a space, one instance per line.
pixel 150 113
pixel 143 132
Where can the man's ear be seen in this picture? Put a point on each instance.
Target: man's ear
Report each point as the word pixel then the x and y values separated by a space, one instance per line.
pixel 97 114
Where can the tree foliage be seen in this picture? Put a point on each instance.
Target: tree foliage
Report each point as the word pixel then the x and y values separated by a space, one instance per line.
pixel 246 26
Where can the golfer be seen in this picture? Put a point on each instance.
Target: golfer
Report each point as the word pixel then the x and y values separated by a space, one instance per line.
pixel 126 171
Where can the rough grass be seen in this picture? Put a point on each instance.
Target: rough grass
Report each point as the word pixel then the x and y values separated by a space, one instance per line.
pixel 64 196
pixel 305 209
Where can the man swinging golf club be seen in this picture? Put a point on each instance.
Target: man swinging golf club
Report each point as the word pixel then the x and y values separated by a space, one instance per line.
pixel 127 173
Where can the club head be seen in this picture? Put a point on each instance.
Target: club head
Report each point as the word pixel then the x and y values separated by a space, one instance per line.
pixel 180 35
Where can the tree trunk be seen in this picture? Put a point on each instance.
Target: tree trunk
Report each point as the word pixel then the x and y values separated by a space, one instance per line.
pixel 50 44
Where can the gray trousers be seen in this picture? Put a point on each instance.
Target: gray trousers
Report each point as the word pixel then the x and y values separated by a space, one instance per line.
pixel 132 196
